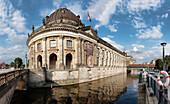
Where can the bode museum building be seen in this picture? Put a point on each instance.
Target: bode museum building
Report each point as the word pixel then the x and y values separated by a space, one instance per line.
pixel 65 50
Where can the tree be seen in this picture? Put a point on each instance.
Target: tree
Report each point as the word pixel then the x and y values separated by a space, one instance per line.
pixel 18 62
pixel 167 58
pixel 7 66
pixel 28 64
pixel 12 64
pixel 159 64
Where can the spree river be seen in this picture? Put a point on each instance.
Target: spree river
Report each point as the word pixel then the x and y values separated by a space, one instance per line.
pixel 119 89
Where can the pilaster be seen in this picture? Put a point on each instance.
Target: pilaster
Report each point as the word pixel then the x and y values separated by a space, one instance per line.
pixel 82 45
pixel 44 58
pixel 61 59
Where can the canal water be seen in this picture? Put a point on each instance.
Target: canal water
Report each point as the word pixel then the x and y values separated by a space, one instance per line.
pixel 119 89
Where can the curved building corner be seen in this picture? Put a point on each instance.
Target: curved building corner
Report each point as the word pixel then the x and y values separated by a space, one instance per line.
pixel 71 51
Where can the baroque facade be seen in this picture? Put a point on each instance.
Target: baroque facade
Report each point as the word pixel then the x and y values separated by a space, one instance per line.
pixel 71 51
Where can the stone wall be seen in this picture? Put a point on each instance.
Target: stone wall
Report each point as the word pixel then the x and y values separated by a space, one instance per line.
pixel 6 93
pixel 36 78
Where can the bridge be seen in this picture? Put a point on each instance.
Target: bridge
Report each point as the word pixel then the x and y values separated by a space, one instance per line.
pixel 134 68
pixel 9 82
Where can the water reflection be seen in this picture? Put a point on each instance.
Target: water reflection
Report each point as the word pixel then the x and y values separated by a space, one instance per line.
pixel 101 91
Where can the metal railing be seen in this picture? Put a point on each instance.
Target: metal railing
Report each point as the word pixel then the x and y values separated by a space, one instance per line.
pixel 159 92
pixel 6 78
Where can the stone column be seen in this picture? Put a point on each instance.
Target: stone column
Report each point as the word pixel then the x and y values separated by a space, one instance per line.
pixel 75 63
pixel 94 54
pixel 48 61
pixel 35 59
pixel 30 59
pixel 26 61
pixel 78 51
pixel 44 58
pixel 60 57
pixel 82 54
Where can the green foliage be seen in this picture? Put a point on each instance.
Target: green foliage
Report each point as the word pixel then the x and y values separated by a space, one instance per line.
pixel 7 66
pixel 167 61
pixel 28 64
pixel 12 64
pixel 159 64
pixel 18 62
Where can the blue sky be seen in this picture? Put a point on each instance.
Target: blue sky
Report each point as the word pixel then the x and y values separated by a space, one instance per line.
pixel 138 26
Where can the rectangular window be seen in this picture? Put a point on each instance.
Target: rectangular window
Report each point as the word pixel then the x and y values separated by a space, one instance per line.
pixel 52 43
pixel 103 52
pixel 32 49
pixel 39 46
pixel 97 61
pixel 69 43
pixel 98 51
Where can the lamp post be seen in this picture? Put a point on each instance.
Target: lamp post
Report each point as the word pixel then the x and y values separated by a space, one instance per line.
pixel 163 44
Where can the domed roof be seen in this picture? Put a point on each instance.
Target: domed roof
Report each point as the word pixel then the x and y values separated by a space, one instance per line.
pixel 62 13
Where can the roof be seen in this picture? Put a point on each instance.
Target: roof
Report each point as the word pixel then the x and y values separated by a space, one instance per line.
pixel 157 59
pixel 3 63
pixel 62 13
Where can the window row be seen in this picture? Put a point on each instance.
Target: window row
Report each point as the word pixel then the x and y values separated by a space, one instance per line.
pixel 53 44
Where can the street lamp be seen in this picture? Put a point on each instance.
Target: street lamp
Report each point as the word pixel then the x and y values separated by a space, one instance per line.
pixel 163 44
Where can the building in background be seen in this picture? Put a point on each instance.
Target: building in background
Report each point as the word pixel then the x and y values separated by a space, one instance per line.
pixel 130 60
pixel 3 65
pixel 71 51
pixel 154 60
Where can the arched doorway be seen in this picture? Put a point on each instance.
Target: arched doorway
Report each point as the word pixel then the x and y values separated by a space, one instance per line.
pixel 68 61
pixel 39 61
pixel 53 61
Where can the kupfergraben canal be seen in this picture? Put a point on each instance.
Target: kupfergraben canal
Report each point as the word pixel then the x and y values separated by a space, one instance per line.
pixel 119 89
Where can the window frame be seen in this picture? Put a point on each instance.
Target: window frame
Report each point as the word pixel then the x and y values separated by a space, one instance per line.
pixel 39 46
pixel 69 43
pixel 53 43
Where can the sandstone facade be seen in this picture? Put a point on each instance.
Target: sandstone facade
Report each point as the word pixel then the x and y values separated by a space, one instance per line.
pixel 60 45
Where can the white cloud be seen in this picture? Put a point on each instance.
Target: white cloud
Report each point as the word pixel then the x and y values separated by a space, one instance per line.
pixel 138 5
pixel 101 10
pixel 13 25
pixel 135 49
pixel 57 3
pixel 153 32
pixel 46 12
pixel 165 15
pixel 147 55
pixel 8 54
pixel 110 36
pixel 137 24
pixel 76 8
pixel 113 43
pixel 112 28
pixel 138 46
pixel 10 17
pixel 15 38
